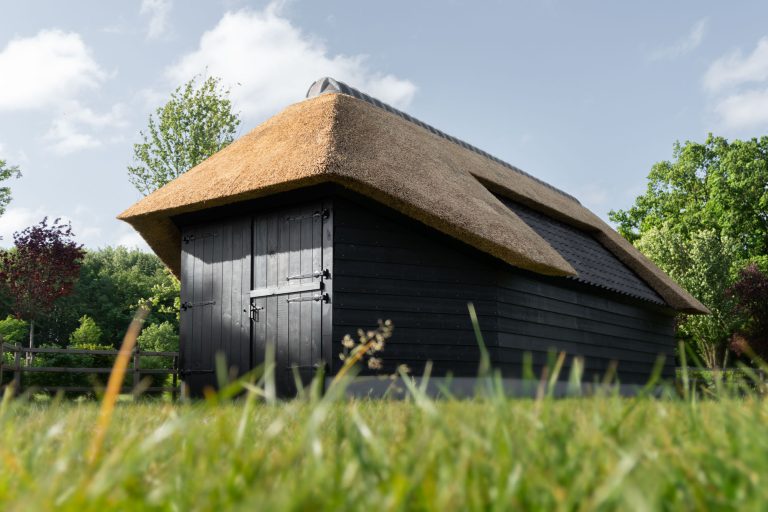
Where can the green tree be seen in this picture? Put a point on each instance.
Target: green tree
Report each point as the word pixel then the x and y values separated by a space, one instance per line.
pixel 87 333
pixel 113 281
pixel 196 123
pixel 7 172
pixel 162 337
pixel 717 185
pixel 703 216
pixel 164 297
pixel 42 267
pixel 703 263
pixel 14 330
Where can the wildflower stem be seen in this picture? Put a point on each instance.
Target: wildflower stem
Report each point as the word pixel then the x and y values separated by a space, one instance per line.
pixel 115 383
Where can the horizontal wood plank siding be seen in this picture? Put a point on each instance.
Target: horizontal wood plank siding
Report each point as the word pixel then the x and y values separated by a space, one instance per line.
pixel 539 314
pixel 388 267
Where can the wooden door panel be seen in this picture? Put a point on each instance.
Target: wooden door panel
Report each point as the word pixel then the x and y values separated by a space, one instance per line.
pixel 287 270
pixel 216 280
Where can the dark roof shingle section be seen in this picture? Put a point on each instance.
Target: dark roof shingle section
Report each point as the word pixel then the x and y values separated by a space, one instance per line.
pixel 594 264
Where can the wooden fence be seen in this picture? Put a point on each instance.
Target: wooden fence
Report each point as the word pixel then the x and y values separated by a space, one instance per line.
pixel 23 358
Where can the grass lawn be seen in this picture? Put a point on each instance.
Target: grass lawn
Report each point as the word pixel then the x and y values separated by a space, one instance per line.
pixel 485 454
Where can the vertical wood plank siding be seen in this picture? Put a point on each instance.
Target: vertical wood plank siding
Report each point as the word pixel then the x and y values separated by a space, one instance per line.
pixel 387 266
pixel 215 284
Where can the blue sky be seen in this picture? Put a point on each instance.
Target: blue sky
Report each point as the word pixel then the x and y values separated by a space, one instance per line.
pixel 586 97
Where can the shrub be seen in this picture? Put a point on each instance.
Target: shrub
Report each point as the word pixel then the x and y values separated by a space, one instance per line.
pixel 88 333
pixel 160 337
pixel 71 361
pixel 701 262
pixel 751 294
pixel 14 330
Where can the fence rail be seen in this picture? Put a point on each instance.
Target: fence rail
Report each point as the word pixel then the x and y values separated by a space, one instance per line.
pixel 22 365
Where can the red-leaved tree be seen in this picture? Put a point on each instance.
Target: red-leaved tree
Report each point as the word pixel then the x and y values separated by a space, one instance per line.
pixel 751 293
pixel 43 265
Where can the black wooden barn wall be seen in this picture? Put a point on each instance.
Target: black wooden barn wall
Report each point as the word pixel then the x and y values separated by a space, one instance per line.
pixel 381 264
pixel 387 266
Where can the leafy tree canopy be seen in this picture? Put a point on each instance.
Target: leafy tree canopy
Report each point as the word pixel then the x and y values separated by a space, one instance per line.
pixel 702 263
pixel 6 172
pixel 42 267
pixel 703 216
pixel 88 333
pixel 717 185
pixel 165 297
pixel 196 123
pixel 751 293
pixel 14 330
pixel 113 281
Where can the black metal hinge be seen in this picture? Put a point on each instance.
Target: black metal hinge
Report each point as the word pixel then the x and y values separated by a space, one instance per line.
pixel 317 273
pixel 193 372
pixel 190 238
pixel 187 305
pixel 317 298
pixel 322 214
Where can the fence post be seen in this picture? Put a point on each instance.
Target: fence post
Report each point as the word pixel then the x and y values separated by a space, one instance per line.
pixel 17 371
pixel 2 360
pixel 175 377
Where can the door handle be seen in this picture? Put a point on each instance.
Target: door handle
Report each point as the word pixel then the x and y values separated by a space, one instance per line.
pixel 254 314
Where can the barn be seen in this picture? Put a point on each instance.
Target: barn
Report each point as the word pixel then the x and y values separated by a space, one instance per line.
pixel 341 210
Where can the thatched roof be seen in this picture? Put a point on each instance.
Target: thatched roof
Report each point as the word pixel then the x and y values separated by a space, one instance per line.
pixel 341 139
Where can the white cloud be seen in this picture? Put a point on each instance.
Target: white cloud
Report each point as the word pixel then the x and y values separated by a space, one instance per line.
pixel 65 138
pixel 270 63
pixel 735 69
pixel 75 128
pixel 745 110
pixel 158 11
pixel 739 88
pixel 45 69
pixel 684 45
pixel 13 157
pixel 132 240
pixel 84 224
pixel 16 219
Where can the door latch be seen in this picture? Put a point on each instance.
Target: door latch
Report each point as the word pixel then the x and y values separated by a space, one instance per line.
pixel 255 312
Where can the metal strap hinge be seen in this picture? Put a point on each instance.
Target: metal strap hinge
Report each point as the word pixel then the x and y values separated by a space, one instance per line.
pixel 286 290
pixel 191 238
pixel 316 298
pixel 322 214
pixel 187 305
pixel 317 273
pixel 194 372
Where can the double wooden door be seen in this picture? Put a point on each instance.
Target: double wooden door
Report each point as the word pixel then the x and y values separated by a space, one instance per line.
pixel 254 284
